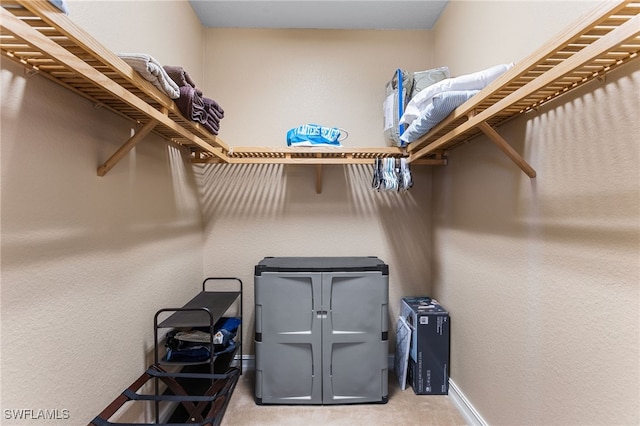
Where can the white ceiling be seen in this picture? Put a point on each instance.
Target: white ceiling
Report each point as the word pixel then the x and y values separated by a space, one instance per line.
pixel 326 14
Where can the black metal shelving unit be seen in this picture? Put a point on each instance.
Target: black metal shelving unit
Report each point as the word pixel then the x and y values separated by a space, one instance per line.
pixel 200 390
pixel 198 378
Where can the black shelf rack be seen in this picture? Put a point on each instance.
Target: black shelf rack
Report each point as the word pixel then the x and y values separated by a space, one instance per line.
pixel 200 390
pixel 203 312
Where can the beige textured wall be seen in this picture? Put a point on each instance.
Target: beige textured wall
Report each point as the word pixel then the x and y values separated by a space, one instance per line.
pixel 541 276
pixel 269 81
pixel 168 30
pixel 86 261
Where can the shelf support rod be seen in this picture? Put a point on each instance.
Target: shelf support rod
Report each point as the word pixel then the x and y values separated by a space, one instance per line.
pixel 318 175
pixel 495 137
pixel 124 149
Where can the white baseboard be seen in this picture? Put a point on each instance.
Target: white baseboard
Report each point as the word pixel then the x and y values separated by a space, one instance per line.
pixel 248 362
pixel 463 405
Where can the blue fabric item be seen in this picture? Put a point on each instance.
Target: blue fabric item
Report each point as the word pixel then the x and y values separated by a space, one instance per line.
pixel 442 105
pixel 229 348
pixel 191 354
pixel 313 135
pixel 60 4
pixel 190 351
pixel 198 353
pixel 225 323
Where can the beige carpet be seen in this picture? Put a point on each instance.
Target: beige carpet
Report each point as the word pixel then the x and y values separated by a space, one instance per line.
pixel 403 408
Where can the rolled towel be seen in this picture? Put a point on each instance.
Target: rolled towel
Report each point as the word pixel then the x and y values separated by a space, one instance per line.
pixel 212 125
pixel 152 71
pixel 182 78
pixel 192 106
pixel 213 108
pixel 179 76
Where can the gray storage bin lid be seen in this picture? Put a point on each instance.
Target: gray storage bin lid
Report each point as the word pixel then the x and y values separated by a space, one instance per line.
pixel 321 264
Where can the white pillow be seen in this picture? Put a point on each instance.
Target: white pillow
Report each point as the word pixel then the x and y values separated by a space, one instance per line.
pixel 475 81
pixel 443 104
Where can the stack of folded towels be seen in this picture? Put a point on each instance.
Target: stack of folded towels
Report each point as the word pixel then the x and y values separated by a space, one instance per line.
pixel 192 103
pixel 176 83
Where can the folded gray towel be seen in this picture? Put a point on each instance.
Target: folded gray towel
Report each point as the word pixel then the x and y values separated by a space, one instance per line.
pixel 152 71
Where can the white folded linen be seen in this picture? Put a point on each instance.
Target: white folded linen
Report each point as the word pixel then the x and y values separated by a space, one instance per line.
pixel 475 81
pixel 442 105
pixel 152 71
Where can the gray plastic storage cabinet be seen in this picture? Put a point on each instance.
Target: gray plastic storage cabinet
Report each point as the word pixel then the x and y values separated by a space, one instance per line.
pixel 321 330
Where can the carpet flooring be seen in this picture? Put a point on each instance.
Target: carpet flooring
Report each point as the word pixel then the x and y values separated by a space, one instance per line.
pixel 403 408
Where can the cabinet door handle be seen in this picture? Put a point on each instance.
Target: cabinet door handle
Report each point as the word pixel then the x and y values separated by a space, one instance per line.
pixel 321 314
